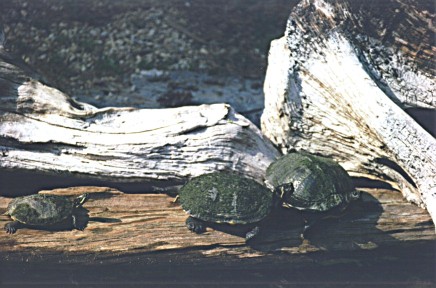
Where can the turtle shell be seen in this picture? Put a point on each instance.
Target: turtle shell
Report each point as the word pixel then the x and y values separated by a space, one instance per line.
pixel 40 209
pixel 309 182
pixel 225 198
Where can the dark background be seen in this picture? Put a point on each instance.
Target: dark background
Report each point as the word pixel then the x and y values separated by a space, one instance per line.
pixel 80 45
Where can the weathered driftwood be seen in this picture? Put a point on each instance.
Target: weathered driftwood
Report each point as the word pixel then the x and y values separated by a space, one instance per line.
pixel 122 227
pixel 43 129
pixel 335 86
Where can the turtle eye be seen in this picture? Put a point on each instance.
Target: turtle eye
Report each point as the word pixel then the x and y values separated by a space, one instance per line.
pixel 355 194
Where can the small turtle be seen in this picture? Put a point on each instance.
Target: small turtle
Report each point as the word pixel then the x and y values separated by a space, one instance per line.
pixel 225 198
pixel 316 185
pixel 41 210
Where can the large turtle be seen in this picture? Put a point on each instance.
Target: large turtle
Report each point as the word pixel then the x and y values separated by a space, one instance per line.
pixel 225 198
pixel 315 185
pixel 44 211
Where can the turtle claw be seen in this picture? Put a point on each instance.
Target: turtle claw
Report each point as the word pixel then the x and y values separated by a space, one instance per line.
pixel 195 225
pixel 11 227
pixel 80 227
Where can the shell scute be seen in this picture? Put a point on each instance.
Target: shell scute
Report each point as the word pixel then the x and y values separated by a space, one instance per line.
pixel 309 182
pixel 40 209
pixel 225 198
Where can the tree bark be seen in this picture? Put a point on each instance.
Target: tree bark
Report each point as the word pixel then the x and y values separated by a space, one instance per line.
pixel 333 90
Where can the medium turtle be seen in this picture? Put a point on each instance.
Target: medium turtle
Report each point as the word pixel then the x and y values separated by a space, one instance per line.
pixel 44 211
pixel 316 185
pixel 225 199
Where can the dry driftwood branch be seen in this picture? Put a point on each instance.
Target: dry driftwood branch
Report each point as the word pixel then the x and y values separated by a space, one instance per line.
pixel 333 90
pixel 43 129
pixel 122 227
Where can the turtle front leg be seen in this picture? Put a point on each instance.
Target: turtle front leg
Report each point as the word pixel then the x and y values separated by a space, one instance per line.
pixel 250 234
pixel 79 225
pixel 195 225
pixel 308 224
pixel 11 227
pixel 303 233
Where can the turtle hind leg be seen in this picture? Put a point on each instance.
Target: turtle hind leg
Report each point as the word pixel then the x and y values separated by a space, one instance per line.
pixel 11 227
pixel 195 225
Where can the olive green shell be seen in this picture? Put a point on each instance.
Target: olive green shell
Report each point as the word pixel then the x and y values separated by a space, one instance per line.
pixel 309 182
pixel 225 198
pixel 40 209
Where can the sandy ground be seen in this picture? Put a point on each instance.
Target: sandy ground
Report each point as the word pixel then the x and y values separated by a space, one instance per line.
pixel 88 46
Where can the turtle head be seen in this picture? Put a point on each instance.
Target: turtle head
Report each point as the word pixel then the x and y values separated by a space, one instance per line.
pixel 284 192
pixel 79 201
pixel 281 193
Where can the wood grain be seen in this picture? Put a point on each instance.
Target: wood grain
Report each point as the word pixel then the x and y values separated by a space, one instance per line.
pixel 126 227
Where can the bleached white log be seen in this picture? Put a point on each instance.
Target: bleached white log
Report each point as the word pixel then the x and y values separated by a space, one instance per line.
pixel 321 96
pixel 44 130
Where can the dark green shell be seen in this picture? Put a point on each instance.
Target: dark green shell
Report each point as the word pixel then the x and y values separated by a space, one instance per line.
pixel 309 182
pixel 40 209
pixel 226 198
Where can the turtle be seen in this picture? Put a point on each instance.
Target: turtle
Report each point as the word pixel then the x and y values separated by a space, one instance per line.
pixel 317 186
pixel 225 198
pixel 44 211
